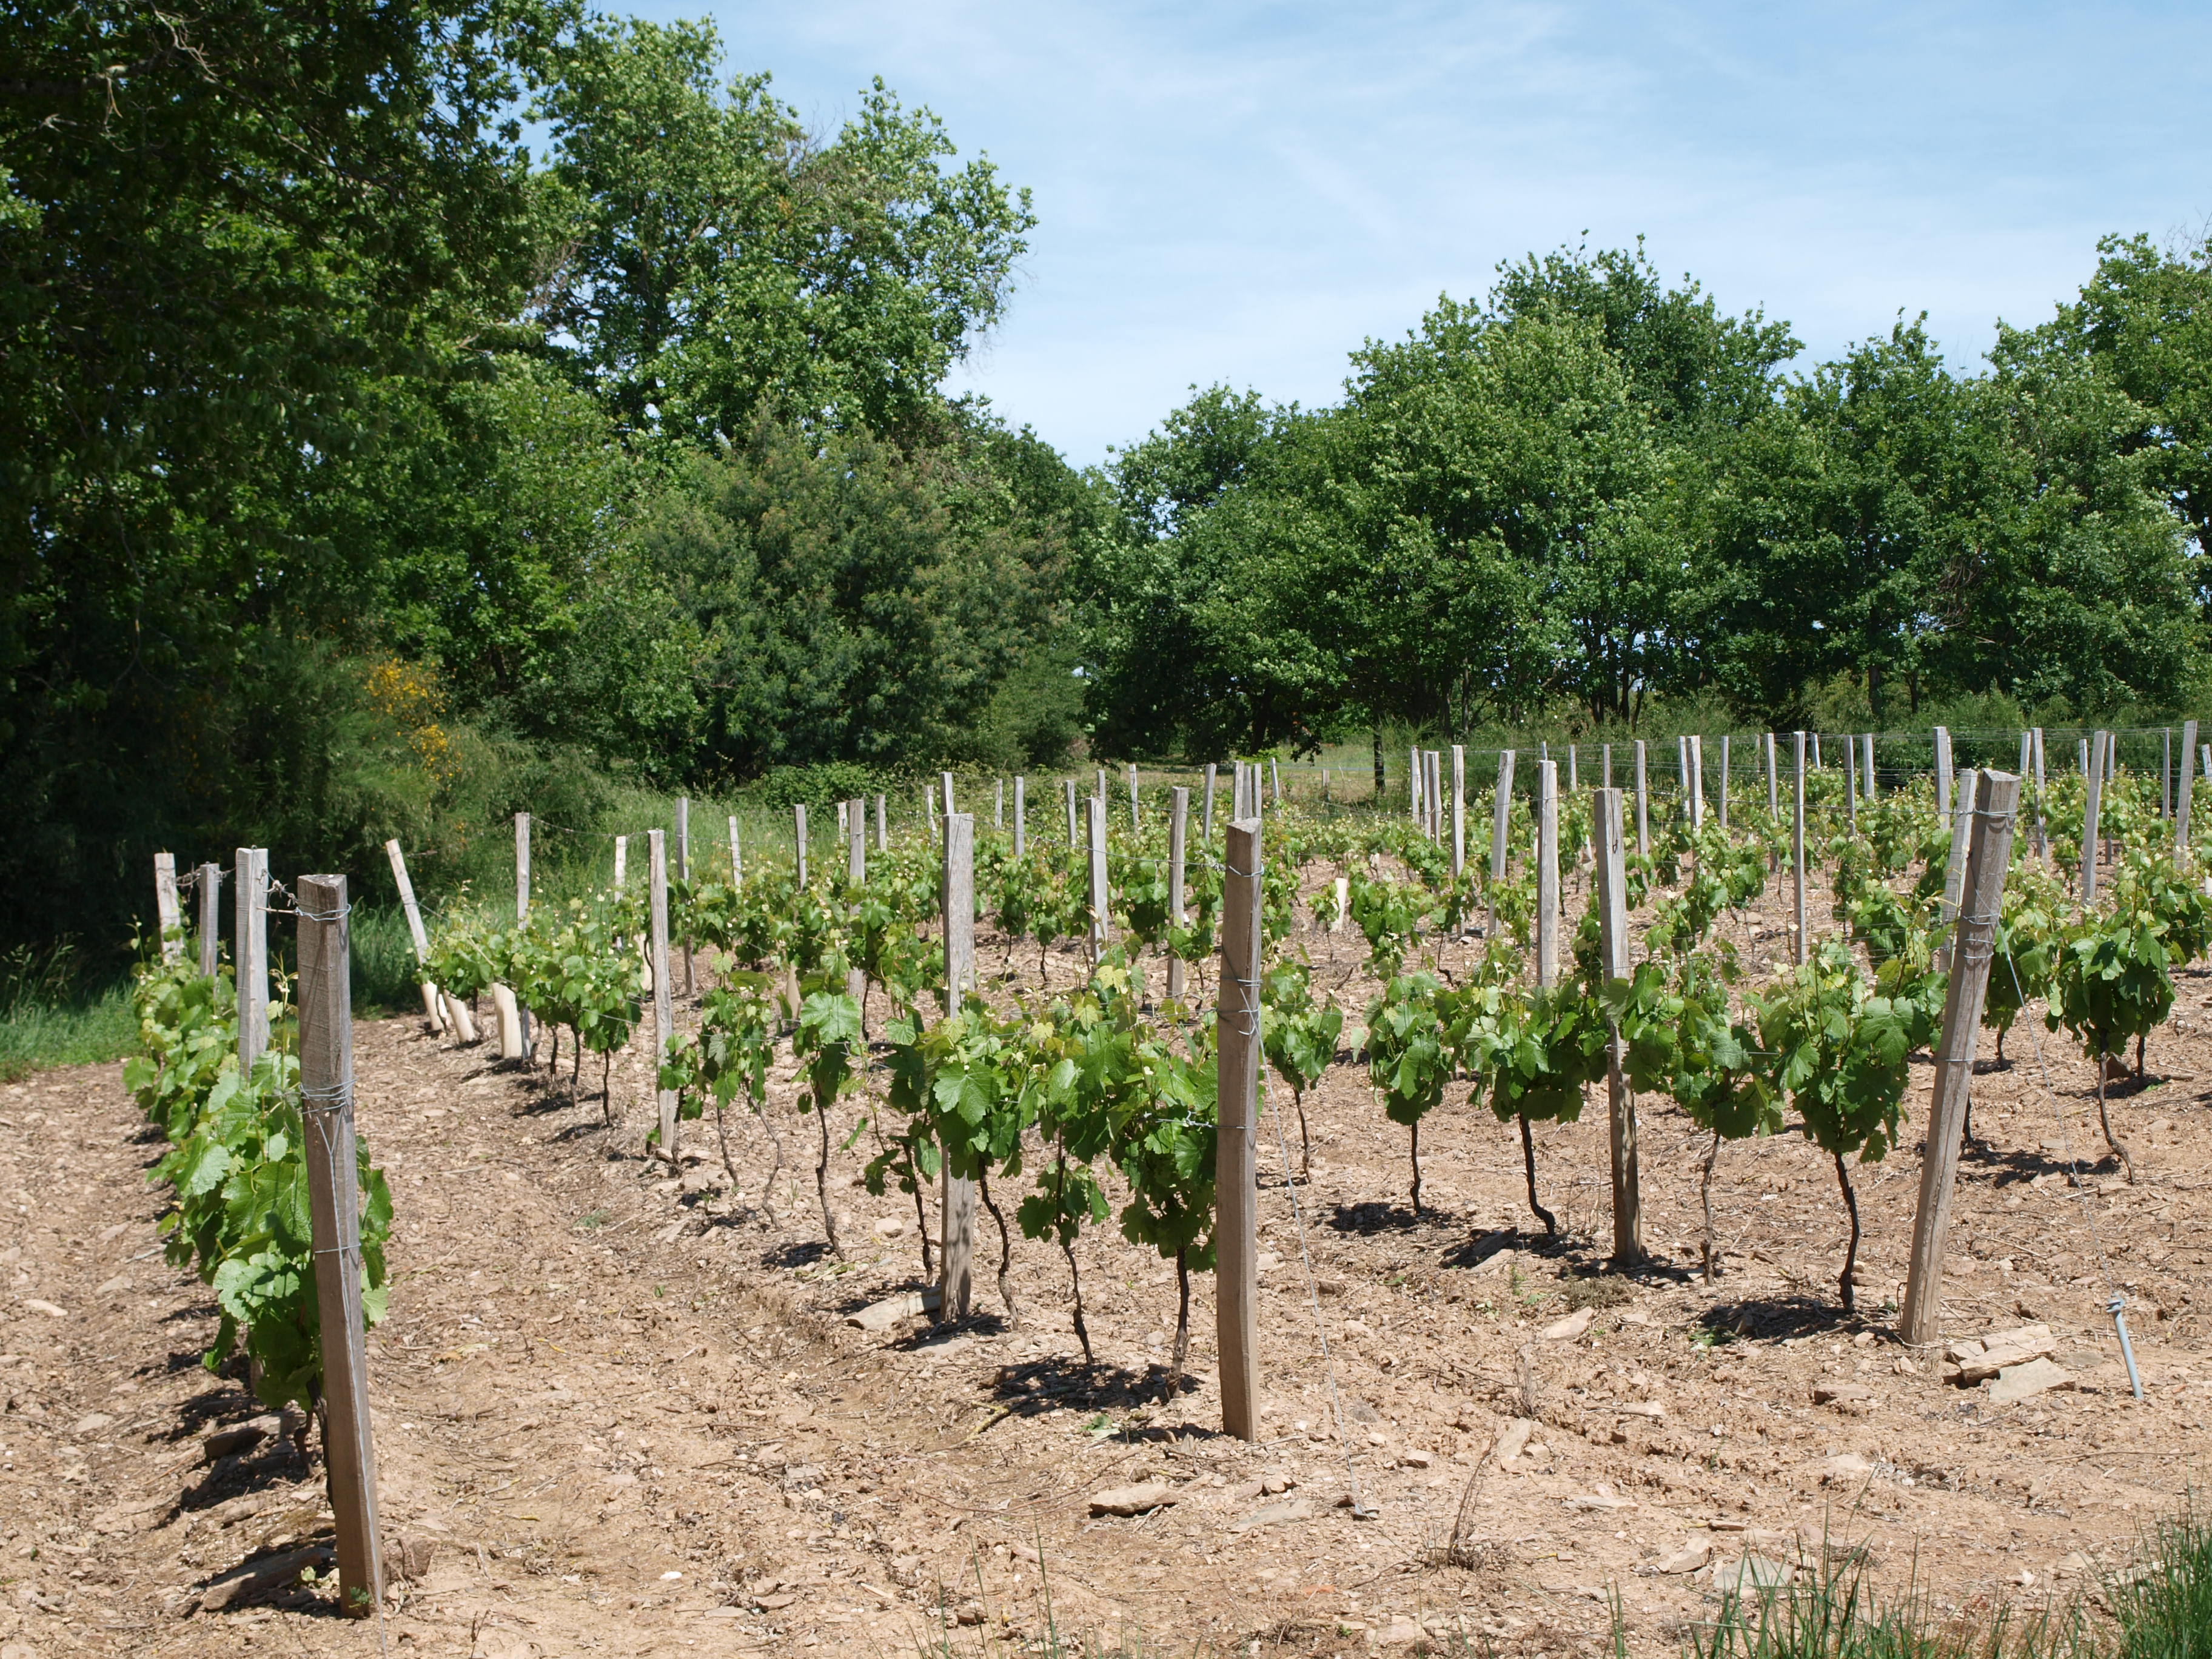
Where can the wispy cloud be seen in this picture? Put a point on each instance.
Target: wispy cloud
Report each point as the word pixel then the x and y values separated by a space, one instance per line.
pixel 1243 192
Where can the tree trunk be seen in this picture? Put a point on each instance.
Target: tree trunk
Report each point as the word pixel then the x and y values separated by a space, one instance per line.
pixel 2120 1147
pixel 1415 1133
pixel 1183 1324
pixel 1074 1275
pixel 1851 1256
pixel 1006 1249
pixel 821 1178
pixel 1376 735
pixel 1705 1194
pixel 1529 1161
pixel 1305 1144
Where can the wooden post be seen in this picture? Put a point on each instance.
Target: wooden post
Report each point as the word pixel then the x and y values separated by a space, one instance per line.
pixel 210 885
pixel 1605 772
pixel 1866 756
pixel 1697 783
pixel 1134 826
pixel 1943 771
pixel 167 915
pixel 956 1198
pixel 522 914
pixel 1725 779
pixel 621 861
pixel 250 946
pixel 1072 843
pixel 334 1216
pixel 856 842
pixel 998 810
pixel 1642 803
pixel 1414 783
pixel 1501 812
pixel 1682 777
pixel 1021 816
pixel 664 1014
pixel 1612 860
pixel 435 1003
pixel 1851 778
pixel 883 826
pixel 2093 773
pixel 1458 810
pixel 1178 832
pixel 736 857
pixel 798 842
pixel 1100 894
pixel 683 874
pixel 1816 751
pixel 1205 831
pixel 2182 791
pixel 1955 867
pixel 1574 779
pixel 1773 798
pixel 1236 1239
pixel 2165 772
pixel 1990 853
pixel 1547 873
pixel 1275 779
pixel 1797 853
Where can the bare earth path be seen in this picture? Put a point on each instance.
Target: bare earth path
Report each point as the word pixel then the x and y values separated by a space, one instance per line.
pixel 620 1414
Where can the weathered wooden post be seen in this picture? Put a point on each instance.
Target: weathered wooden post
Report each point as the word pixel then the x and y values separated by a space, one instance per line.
pixel 250 948
pixel 798 842
pixel 2182 792
pixel 683 874
pixel 1074 840
pixel 1611 859
pixel 621 861
pixel 1458 810
pixel 2165 772
pixel 1275 779
pixel 1574 780
pixel 209 880
pixel 1135 827
pixel 737 856
pixel 1955 866
pixel 1866 767
pixel 1178 832
pixel 856 842
pixel 2093 773
pixel 334 1219
pixel 169 916
pixel 1021 816
pixel 1206 830
pixel 1414 769
pixel 1851 779
pixel 1547 873
pixel 1101 896
pixel 883 826
pixel 1643 803
pixel 1990 853
pixel 446 1012
pixel 1943 771
pixel 1697 783
pixel 1725 779
pixel 1237 1249
pixel 1501 813
pixel 664 1013
pixel 522 1031
pixel 998 810
pixel 1797 853
pixel 955 1197
pixel 1773 785
pixel 1682 778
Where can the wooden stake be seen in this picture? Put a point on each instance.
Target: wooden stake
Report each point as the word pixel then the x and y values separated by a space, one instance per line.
pixel 1612 860
pixel 998 810
pixel 736 857
pixel 1275 778
pixel 1697 783
pixel 664 1013
pixel 2042 830
pixel 250 946
pixel 168 916
pixel 1773 799
pixel 2094 773
pixel 1458 810
pixel 1797 853
pixel 1100 896
pixel 1724 781
pixel 1072 843
pixel 1547 873
pixel 1955 867
pixel 1990 853
pixel 956 1198
pixel 334 1215
pixel 798 842
pixel 522 914
pixel 1413 784
pixel 435 1003
pixel 1178 831
pixel 1236 1240
pixel 856 842
pixel 1501 812
pixel 1643 807
pixel 1021 817
pixel 1851 779
pixel 1574 780
pixel 684 873
pixel 2165 772
pixel 1206 832
pixel 1605 773
pixel 1943 771
pixel 210 885
pixel 1866 756
pixel 882 827
pixel 621 861
pixel 2182 792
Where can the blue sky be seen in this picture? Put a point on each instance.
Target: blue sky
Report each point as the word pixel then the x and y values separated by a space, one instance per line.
pixel 1243 192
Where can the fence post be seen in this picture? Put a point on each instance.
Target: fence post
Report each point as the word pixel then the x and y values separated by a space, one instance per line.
pixel 2165 772
pixel 1866 756
pixel 1613 941
pixel 664 1015
pixel 1021 816
pixel 1697 783
pixel 1643 802
pixel 1074 841
pixel 1725 779
pixel 2094 773
pixel 2182 791
pixel 334 1213
pixel 210 882
pixel 1574 778
pixel 1237 1101
pixel 1989 853
pixel 1943 771
pixel 444 1011
pixel 1178 834
pixel 798 842
pixel 1205 831
pixel 1459 810
pixel 250 946
pixel 1547 873
pixel 1501 811
pixel 1851 778
pixel 683 874
pixel 1413 770
pixel 1134 826
pixel 736 858
pixel 167 917
pixel 1797 853
pixel 1955 866
pixel 621 861
pixel 1100 897
pixel 999 810
pixel 956 1198
pixel 883 825
pixel 1275 778
pixel 1773 783
pixel 522 914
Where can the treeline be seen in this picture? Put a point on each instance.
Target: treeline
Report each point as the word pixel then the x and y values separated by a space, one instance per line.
pixel 419 413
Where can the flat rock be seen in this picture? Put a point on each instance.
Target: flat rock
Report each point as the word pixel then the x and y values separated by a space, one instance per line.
pixel 1750 1573
pixel 896 1310
pixel 218 1443
pixel 1139 1499
pixel 1835 1391
pixel 1689 1559
pixel 2037 1376
pixel 1399 1632
pixel 1998 1357
pixel 1274 1515
pixel 1844 1466
pixel 47 1307
pixel 1567 1329
pixel 1514 1440
pixel 91 1423
pixel 1601 1500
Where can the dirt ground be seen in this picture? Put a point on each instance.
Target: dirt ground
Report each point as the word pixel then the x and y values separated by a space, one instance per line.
pixel 620 1412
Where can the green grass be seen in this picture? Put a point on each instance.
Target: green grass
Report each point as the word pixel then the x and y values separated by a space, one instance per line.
pixel 80 1029
pixel 2167 1613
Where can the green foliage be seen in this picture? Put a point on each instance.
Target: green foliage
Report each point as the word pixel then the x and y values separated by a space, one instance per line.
pixel 1840 1050
pixel 2110 981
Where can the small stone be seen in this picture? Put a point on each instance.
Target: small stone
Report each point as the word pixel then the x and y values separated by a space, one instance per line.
pixel 1601 1500
pixel 1139 1499
pixel 891 1226
pixel 894 1311
pixel 1835 1391
pixel 1417 1460
pixel 1275 1515
pixel 1688 1558
pixel 90 1424
pixel 114 1286
pixel 1567 1329
pixel 2016 1382
pixel 47 1307
pixel 1355 1331
pixel 1513 1441
pixel 237 1439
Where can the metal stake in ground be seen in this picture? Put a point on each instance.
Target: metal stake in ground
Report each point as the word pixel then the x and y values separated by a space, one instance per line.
pixel 1236 1238
pixel 956 1198
pixel 1612 942
pixel 250 934
pixel 1990 850
pixel 664 1014
pixel 334 1212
